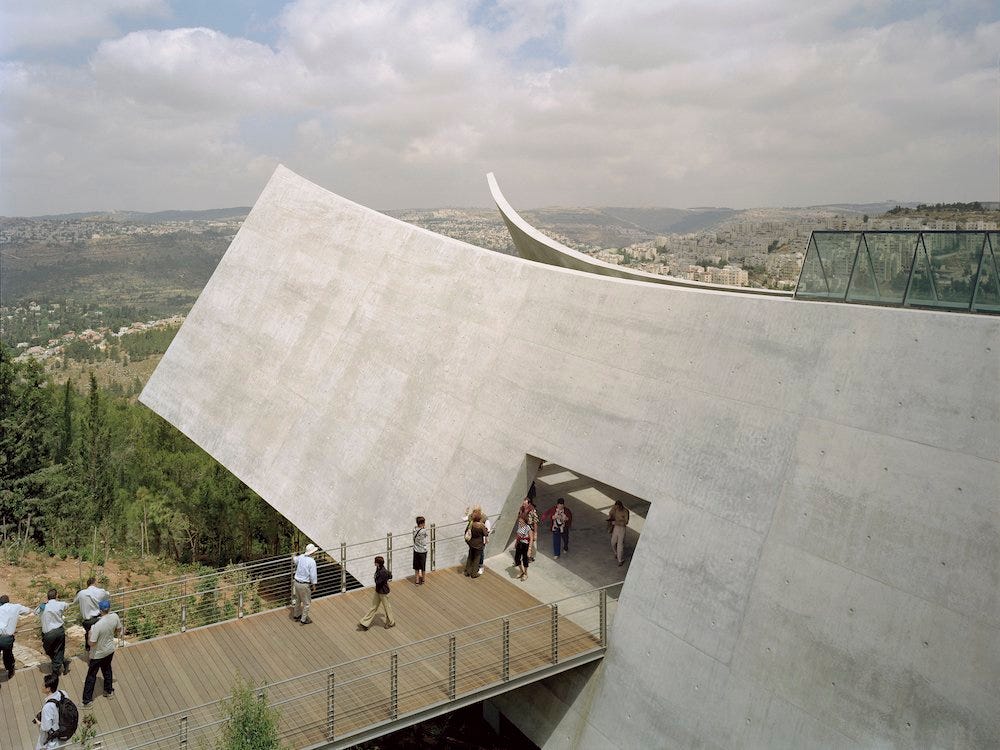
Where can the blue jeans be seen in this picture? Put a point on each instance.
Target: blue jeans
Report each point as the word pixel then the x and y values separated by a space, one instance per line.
pixel 557 542
pixel 103 664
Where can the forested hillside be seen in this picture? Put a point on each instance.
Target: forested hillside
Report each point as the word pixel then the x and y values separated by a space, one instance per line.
pixel 72 464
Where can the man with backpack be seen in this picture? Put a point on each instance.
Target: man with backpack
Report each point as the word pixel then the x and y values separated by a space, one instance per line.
pixel 58 719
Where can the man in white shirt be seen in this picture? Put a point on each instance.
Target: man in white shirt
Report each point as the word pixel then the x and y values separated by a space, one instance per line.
pixel 52 614
pixel 48 717
pixel 102 642
pixel 88 600
pixel 305 583
pixel 9 612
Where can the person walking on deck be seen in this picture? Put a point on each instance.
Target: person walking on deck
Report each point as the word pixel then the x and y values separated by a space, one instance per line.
pixel 478 533
pixel 522 531
pixel 617 522
pixel 561 518
pixel 102 651
pixel 420 542
pixel 380 597
pixel 305 583
pixel 88 599
pixel 48 718
pixel 9 613
pixel 52 614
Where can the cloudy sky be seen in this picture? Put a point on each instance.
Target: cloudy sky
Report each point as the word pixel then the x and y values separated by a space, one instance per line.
pixel 157 104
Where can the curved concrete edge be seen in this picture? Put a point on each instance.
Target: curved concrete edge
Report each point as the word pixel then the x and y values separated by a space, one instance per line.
pixel 533 245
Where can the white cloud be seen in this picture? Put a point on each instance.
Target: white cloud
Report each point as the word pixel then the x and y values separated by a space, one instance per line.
pixel 197 70
pixel 587 102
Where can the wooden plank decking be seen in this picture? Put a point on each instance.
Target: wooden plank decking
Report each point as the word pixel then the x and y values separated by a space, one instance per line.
pixel 176 673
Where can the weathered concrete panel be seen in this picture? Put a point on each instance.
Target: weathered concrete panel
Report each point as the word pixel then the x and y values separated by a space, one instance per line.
pixel 881 664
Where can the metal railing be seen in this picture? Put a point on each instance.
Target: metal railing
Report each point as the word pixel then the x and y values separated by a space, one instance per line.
pixel 242 589
pixel 343 701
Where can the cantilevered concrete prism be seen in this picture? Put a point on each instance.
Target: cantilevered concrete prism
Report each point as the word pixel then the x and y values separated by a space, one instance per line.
pixel 821 560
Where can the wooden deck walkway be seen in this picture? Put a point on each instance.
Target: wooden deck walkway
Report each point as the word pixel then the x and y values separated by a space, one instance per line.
pixel 175 674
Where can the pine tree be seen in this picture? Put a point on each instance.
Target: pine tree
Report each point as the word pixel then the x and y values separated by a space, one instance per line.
pixel 66 425
pixel 95 463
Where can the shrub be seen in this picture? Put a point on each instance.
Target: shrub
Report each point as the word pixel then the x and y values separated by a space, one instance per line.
pixel 250 723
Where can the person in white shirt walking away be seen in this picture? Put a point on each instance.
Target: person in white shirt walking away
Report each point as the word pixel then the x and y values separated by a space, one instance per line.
pixel 9 612
pixel 52 614
pixel 305 583
pixel 90 613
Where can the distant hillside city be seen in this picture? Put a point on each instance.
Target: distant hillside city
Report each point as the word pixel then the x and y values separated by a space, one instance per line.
pixel 83 285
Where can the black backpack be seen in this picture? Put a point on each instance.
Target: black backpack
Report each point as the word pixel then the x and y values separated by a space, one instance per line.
pixel 69 717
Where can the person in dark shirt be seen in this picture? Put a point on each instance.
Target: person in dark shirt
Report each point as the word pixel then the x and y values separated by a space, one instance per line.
pixel 561 518
pixel 477 542
pixel 380 597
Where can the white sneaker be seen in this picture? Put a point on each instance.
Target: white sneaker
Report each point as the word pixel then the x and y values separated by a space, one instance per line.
pixel 481 571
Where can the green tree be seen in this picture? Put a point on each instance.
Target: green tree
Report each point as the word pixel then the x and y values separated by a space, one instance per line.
pixel 95 448
pixel 65 426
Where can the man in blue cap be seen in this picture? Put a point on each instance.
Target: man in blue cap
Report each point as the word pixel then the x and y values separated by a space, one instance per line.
pixel 102 651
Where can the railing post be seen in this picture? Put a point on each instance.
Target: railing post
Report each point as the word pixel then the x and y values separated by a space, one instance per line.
pixel 343 567
pixel 291 586
pixel 388 551
pixel 241 606
pixel 506 649
pixel 124 615
pixel 329 706
pixel 184 618
pixel 394 685
pixel 555 633
pixel 433 546
pixel 183 734
pixel 452 667
pixel 603 607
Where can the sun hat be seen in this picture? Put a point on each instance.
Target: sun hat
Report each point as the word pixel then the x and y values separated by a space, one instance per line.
pixel 311 549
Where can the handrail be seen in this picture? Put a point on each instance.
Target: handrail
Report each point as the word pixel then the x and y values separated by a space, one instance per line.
pixel 165 730
pixel 240 589
pixel 332 552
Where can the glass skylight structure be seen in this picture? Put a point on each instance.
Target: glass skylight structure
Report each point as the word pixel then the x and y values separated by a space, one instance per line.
pixel 938 269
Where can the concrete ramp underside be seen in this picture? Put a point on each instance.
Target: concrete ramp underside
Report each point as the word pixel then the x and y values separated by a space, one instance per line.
pixel 821 559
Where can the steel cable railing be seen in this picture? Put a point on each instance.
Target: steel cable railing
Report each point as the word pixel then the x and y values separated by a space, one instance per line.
pixel 345 699
pixel 242 589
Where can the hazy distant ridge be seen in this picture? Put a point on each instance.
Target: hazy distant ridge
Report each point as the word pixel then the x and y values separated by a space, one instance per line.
pixel 144 217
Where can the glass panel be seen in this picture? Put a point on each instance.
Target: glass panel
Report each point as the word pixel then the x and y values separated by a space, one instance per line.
pixel 812 281
pixel 836 252
pixel 883 267
pixel 954 261
pixel 988 292
pixel 922 290
pixel 863 286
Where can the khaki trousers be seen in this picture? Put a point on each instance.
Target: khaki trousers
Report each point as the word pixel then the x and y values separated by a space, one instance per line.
pixel 303 598
pixel 379 600
pixel 618 541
